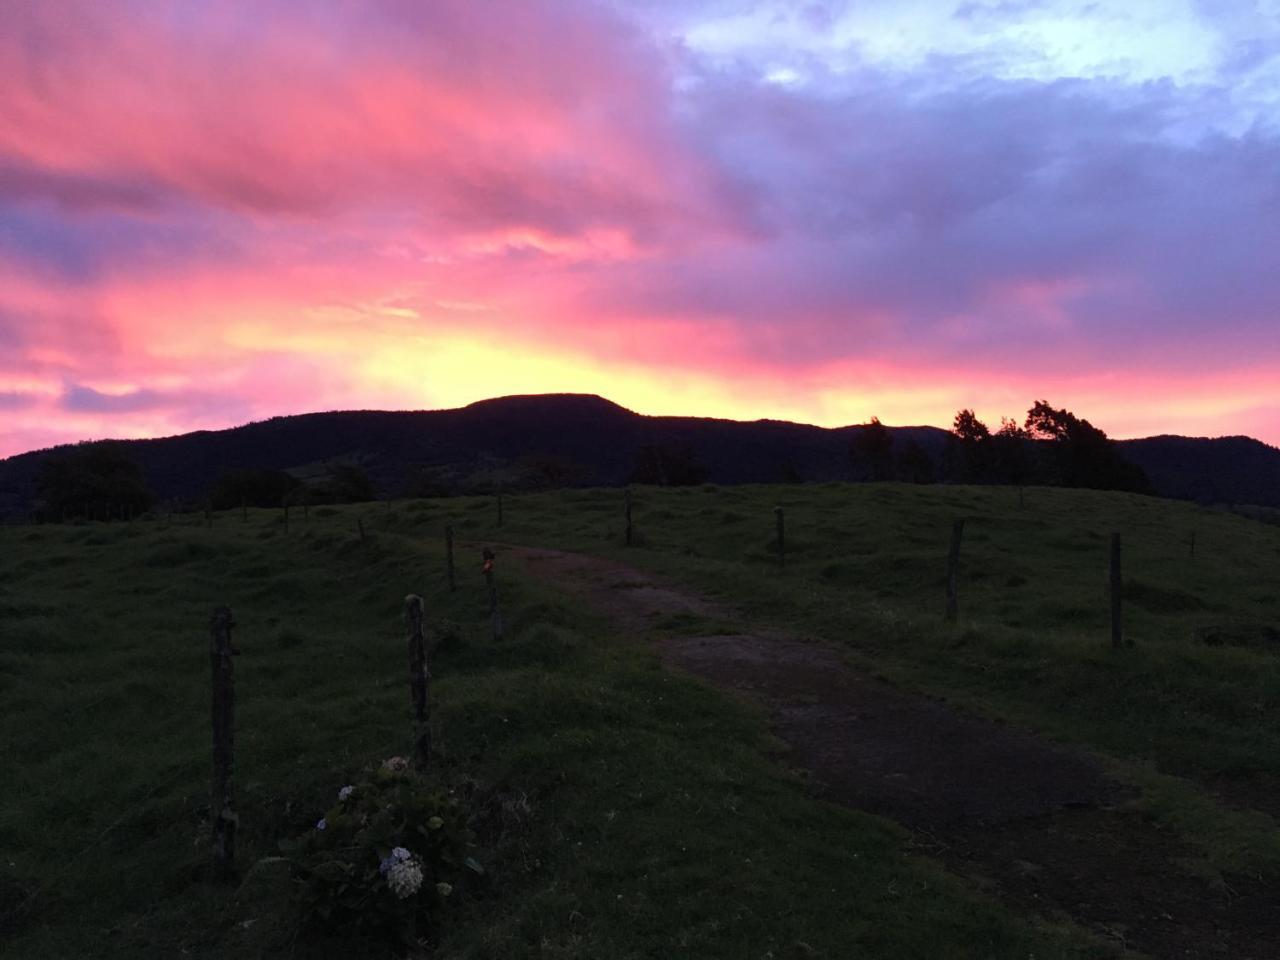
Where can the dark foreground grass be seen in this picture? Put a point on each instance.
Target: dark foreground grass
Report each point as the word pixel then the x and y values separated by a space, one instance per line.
pixel 627 812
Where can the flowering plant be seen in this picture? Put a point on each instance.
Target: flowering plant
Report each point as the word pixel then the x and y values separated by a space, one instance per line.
pixel 384 859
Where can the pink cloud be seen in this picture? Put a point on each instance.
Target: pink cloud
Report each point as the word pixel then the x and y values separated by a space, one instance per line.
pixel 220 211
pixel 467 116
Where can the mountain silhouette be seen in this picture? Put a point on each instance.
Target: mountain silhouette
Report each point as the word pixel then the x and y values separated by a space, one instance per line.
pixel 603 442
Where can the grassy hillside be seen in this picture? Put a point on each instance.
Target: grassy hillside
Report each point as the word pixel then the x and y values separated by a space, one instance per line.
pixel 865 566
pixel 630 812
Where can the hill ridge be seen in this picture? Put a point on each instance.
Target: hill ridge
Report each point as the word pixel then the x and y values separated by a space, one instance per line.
pixel 604 440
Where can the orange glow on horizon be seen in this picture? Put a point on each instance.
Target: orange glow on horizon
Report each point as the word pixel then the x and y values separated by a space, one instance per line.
pixel 398 370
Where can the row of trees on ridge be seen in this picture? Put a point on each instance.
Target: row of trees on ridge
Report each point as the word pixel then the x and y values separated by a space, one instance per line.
pixel 1052 447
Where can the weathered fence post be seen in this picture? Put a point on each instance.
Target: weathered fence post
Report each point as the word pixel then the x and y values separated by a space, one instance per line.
pixel 627 507
pixel 448 554
pixel 221 800
pixel 953 570
pixel 1193 544
pixel 495 616
pixel 1117 590
pixel 360 527
pixel 782 543
pixel 419 676
pixel 499 506
pixel 306 511
pixel 286 517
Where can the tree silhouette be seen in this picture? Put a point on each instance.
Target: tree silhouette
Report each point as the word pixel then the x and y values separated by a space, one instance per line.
pixel 92 480
pixel 915 465
pixel 668 465
pixel 1080 455
pixel 872 450
pixel 973 464
pixel 345 483
pixel 969 429
pixel 252 487
pixel 1010 454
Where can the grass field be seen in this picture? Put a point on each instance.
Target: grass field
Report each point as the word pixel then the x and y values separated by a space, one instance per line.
pixel 639 813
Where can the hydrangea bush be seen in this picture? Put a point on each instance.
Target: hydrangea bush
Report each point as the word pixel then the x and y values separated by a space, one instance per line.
pixel 385 859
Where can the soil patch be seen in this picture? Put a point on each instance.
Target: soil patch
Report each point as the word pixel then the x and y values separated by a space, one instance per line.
pixel 915 760
pixel 1035 823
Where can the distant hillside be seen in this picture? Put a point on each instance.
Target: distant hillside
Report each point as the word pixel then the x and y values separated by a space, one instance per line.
pixel 603 443
pixel 1237 470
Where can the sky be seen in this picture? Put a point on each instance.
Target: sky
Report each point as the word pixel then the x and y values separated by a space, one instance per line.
pixel 214 212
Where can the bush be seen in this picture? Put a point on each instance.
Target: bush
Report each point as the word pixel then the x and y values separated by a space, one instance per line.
pixel 384 859
pixel 92 480
pixel 253 488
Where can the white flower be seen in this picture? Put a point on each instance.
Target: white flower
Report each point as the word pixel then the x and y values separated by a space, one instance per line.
pixel 400 853
pixel 345 792
pixel 321 824
pixel 404 878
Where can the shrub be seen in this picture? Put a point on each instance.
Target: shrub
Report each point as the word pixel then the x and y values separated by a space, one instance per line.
pixel 384 859
pixel 253 487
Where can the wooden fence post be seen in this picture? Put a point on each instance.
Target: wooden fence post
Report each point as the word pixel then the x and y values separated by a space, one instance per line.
pixel 306 511
pixel 1117 591
pixel 499 506
pixel 419 678
pixel 448 554
pixel 286 517
pixel 953 570
pixel 360 527
pixel 495 616
pixel 782 543
pixel 221 800
pixel 1193 544
pixel 627 508
pixel 208 514
pixel 244 511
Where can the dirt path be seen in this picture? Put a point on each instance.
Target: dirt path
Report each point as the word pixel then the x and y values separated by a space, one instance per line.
pixel 1034 823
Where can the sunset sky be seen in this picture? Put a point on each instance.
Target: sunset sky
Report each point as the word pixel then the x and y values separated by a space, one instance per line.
pixel 214 211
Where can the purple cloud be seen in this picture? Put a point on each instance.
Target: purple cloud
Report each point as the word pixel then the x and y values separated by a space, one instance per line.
pixel 16 400
pixel 78 398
